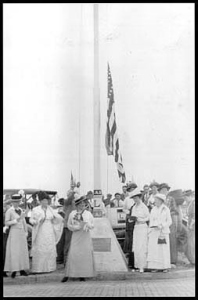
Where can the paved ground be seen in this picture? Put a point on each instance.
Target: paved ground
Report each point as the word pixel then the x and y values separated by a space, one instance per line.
pixel 125 288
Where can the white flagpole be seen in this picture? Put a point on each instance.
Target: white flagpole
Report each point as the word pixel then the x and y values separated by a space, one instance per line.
pixel 97 175
pixel 80 100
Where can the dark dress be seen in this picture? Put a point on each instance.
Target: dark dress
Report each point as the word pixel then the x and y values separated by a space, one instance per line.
pixel 60 245
pixel 128 242
pixel 5 237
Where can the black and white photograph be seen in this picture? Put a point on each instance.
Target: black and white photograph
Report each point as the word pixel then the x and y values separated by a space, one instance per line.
pixel 98 149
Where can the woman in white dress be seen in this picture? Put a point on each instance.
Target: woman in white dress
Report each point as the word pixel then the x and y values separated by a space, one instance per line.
pixel 46 233
pixel 140 233
pixel 17 256
pixel 80 261
pixel 158 243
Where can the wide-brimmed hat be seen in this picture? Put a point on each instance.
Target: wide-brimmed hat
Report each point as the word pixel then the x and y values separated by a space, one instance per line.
pixel 154 183
pixel 79 199
pixel 163 185
pixel 117 194
pixel 16 198
pixel 43 195
pixel 136 192
pixel 176 194
pixel 160 196
pixel 131 185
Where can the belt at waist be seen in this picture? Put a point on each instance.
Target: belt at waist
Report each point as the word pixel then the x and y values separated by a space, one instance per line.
pixel 140 223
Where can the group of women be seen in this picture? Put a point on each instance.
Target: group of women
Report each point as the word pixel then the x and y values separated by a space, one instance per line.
pixel 148 233
pixel 47 227
pixel 149 244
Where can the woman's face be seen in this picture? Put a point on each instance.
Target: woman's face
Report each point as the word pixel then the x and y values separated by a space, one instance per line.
pixel 44 202
pixel 15 204
pixel 158 202
pixel 81 206
pixel 137 199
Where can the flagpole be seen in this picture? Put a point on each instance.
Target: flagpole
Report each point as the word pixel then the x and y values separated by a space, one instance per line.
pixel 96 108
pixel 80 62
pixel 107 174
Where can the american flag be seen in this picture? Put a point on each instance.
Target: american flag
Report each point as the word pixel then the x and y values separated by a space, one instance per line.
pixel 111 138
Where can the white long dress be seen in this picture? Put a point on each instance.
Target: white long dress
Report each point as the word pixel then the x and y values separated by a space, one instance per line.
pixel 17 256
pixel 159 254
pixel 45 236
pixel 140 235
pixel 80 261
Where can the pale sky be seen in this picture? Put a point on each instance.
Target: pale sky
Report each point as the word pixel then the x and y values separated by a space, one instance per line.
pixel 48 94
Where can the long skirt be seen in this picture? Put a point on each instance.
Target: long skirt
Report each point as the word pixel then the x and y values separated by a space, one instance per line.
pixel 128 245
pixel 140 245
pixel 80 261
pixel 190 253
pixel 173 240
pixel 44 249
pixel 5 237
pixel 60 249
pixel 158 254
pixel 67 242
pixel 17 256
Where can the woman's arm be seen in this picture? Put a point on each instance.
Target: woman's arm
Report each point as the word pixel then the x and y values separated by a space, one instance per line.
pixel 90 221
pixel 71 226
pixel 34 219
pixel 8 221
pixel 166 220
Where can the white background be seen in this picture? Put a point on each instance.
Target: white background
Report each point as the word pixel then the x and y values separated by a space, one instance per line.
pixel 48 93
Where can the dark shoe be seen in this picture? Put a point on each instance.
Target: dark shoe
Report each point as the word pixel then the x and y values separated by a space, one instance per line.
pixel 64 279
pixel 13 275
pixel 82 279
pixel 5 274
pixel 23 273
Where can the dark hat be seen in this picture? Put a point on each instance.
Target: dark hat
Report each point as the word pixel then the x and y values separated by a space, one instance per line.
pixel 117 194
pixel 80 199
pixel 16 198
pixel 163 185
pixel 43 195
pixel 176 194
pixel 154 183
pixel 131 185
pixel 109 195
pixel 89 193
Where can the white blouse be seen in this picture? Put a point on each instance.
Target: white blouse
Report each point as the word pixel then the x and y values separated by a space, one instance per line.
pixel 161 217
pixel 86 224
pixel 141 212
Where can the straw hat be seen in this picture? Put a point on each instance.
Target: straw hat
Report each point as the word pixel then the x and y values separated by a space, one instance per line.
pixel 160 196
pixel 136 192
pixel 16 198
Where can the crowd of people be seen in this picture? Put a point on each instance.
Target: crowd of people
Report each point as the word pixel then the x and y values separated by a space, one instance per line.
pixel 154 230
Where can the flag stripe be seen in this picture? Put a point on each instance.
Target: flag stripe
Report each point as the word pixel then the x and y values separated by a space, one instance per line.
pixel 111 137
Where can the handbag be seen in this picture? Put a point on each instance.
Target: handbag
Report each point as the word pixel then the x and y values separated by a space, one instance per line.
pixel 130 220
pixel 161 240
